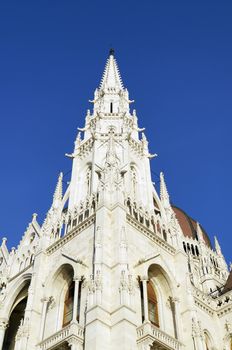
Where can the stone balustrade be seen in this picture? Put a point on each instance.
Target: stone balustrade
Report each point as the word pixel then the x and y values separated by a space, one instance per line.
pixel 220 304
pixel 157 336
pixel 205 298
pixel 224 300
pixel 62 336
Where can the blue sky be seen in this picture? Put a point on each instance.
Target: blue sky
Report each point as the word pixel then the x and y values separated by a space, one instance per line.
pixel 175 59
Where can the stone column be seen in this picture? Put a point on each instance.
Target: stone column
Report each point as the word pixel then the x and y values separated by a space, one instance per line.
pixel 30 297
pixel 75 300
pixel 176 316
pixel 45 302
pixel 145 301
pixel 3 327
pixel 197 335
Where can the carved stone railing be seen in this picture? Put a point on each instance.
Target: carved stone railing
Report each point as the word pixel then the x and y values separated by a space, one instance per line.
pixel 63 240
pixel 221 304
pixel 204 301
pixel 155 336
pixel 67 334
pixel 224 300
pixel 151 235
pixel 224 304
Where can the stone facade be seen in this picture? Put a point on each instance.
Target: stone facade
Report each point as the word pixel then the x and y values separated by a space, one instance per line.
pixel 114 264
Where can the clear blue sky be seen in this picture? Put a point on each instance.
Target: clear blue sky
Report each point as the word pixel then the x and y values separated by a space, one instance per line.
pixel 175 58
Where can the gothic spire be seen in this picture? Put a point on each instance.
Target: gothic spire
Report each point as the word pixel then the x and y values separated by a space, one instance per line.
pixel 111 78
pixel 200 233
pixel 217 246
pixel 58 191
pixel 164 196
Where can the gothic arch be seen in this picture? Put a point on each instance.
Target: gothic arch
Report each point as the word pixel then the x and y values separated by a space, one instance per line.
pixel 16 315
pixel 162 285
pixel 208 340
pixel 227 341
pixel 60 282
pixel 161 263
pixel 56 273
pixel 14 292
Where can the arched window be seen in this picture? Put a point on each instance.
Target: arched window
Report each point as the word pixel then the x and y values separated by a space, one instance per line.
pixel 184 245
pixel 16 317
pixel 152 305
pixel 68 305
pixel 207 342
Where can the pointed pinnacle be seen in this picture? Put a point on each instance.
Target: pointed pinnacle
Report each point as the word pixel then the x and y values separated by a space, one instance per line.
pixel 59 189
pixel 4 240
pixel 164 196
pixel 217 246
pixel 199 232
pixel 111 77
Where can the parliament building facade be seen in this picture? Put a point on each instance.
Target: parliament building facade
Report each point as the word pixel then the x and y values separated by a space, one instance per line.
pixel 114 265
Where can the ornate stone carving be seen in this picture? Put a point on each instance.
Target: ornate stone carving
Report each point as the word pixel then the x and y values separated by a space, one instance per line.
pixel 2 292
pixel 3 324
pixel 75 344
pixel 23 330
pixel 228 326
pixel 196 328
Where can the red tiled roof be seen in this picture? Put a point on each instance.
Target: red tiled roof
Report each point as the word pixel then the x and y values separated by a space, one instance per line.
pixel 189 225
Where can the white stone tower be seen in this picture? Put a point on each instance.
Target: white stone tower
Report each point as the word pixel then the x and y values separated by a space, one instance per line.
pixel 114 264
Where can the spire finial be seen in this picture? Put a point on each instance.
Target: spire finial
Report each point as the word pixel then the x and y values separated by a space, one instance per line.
pixel 111 77
pixel 111 52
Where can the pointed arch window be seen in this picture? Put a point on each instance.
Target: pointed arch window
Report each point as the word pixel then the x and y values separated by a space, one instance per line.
pixel 16 317
pixel 68 305
pixel 207 342
pixel 152 305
